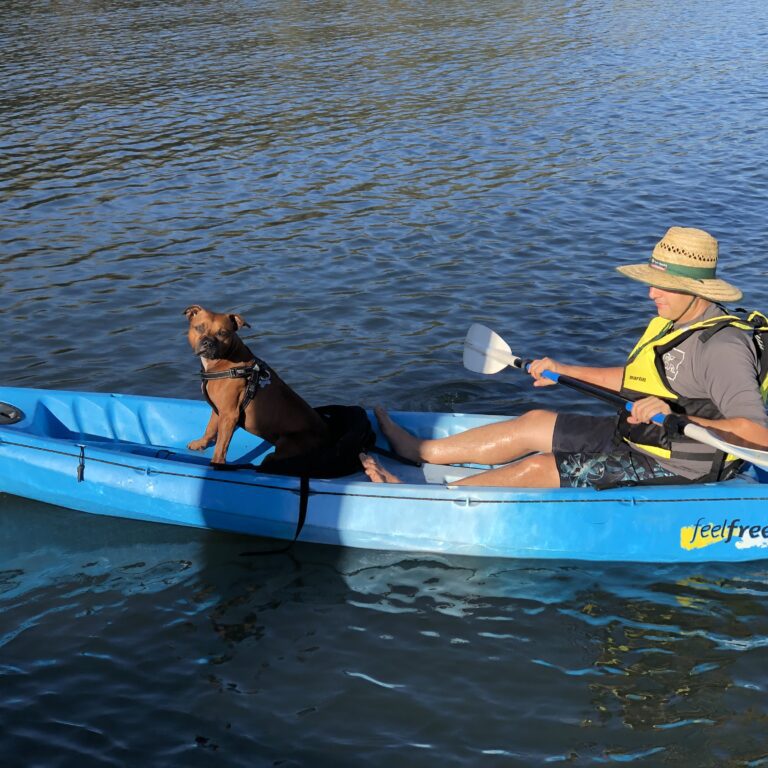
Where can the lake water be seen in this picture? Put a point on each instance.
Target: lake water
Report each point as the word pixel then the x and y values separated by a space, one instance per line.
pixel 361 181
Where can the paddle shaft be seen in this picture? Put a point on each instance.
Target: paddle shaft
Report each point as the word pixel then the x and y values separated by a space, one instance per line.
pixel 609 396
pixel 591 389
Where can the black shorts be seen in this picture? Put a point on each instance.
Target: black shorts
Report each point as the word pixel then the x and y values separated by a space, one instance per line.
pixel 588 455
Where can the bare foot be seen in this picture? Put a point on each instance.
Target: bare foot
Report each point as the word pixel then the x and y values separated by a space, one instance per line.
pixel 376 473
pixel 403 443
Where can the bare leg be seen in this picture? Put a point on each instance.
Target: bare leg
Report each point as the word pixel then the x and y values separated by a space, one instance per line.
pixel 497 443
pixel 538 471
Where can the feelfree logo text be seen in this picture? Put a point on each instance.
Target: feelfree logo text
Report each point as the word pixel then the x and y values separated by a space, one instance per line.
pixel 702 533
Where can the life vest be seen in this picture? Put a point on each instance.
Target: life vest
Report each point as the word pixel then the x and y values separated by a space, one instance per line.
pixel 645 374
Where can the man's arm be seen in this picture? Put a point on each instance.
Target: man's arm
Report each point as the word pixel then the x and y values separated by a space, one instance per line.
pixel 609 378
pixel 738 430
pixel 730 368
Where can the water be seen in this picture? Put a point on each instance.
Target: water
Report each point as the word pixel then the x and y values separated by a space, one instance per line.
pixel 361 181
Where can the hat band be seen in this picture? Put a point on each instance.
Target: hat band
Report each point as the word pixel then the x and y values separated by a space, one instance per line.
pixel 697 273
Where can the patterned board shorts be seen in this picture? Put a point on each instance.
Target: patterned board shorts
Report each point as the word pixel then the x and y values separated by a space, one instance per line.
pixel 587 455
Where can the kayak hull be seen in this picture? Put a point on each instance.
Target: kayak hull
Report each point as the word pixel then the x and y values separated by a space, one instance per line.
pixel 126 456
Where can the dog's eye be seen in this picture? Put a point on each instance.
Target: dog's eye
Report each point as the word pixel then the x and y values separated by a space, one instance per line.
pixel 200 328
pixel 222 334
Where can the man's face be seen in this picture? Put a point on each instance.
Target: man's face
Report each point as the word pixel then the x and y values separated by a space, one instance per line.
pixel 670 304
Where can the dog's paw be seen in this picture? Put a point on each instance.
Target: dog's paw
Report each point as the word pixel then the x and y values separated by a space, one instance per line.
pixel 199 445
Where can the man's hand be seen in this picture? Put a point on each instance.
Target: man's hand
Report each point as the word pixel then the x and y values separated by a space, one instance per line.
pixel 538 366
pixel 644 410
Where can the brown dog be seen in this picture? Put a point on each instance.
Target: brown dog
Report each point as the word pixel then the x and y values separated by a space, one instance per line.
pixel 244 392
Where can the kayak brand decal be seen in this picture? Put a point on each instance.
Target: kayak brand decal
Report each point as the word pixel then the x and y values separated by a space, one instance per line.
pixel 703 534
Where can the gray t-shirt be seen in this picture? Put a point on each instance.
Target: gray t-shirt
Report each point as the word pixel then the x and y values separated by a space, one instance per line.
pixel 725 370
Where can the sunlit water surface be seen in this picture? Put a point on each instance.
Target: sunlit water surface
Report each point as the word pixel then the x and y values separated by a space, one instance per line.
pixel 361 181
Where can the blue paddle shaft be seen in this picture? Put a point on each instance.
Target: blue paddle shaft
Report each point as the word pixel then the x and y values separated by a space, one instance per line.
pixel 658 418
pixel 590 389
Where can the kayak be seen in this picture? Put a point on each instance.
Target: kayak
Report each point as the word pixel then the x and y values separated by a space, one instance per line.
pixel 126 456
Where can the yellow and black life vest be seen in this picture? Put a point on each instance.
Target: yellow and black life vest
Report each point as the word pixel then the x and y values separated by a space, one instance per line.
pixel 645 375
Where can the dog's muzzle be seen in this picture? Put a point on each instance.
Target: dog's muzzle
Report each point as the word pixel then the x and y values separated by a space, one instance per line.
pixel 209 348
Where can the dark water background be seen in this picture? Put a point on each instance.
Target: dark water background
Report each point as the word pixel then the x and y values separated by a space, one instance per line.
pixel 361 181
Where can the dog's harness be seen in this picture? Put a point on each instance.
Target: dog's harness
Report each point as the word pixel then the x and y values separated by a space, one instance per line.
pixel 257 376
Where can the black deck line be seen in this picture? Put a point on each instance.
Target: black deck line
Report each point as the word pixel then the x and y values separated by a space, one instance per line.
pixel 319 492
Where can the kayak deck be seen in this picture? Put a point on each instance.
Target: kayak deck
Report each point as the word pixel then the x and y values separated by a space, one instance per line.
pixel 126 456
pixel 161 428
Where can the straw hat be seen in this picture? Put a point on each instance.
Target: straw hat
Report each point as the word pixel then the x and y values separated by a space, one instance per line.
pixel 684 260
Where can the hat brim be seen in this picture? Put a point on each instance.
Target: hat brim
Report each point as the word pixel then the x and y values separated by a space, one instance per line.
pixel 712 290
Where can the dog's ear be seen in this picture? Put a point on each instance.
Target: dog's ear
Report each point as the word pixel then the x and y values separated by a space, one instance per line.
pixel 239 322
pixel 190 312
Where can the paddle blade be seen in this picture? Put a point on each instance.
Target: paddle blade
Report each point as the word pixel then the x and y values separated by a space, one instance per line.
pixel 753 455
pixel 486 352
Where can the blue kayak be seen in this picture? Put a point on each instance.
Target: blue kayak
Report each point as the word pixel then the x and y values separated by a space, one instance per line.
pixel 126 456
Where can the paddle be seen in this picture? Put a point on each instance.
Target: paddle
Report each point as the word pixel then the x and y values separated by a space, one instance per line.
pixel 486 352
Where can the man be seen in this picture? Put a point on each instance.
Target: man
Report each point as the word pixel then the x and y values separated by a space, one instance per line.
pixel 694 360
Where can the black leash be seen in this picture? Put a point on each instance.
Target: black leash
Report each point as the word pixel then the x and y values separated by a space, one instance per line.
pixel 304 500
pixel 303 504
pixel 351 434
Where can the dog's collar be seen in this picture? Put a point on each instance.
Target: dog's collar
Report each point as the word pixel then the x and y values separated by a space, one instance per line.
pixel 257 375
pixel 231 373
pixel 257 369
